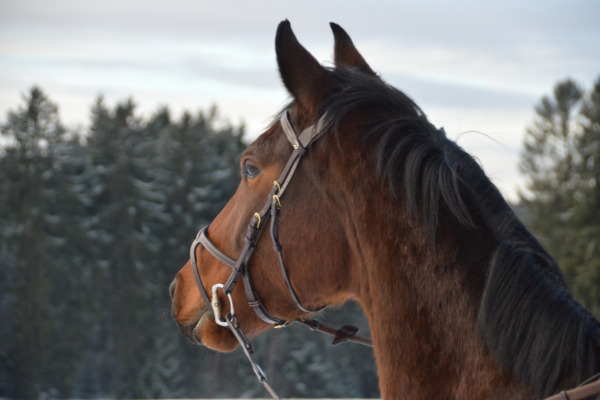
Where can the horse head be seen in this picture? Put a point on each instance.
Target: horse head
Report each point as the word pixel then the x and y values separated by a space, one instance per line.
pixel 316 246
pixel 364 198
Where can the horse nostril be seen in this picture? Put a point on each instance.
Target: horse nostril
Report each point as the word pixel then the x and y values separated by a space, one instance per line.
pixel 172 288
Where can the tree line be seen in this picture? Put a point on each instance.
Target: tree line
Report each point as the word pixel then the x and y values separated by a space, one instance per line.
pixel 94 225
pixel 561 160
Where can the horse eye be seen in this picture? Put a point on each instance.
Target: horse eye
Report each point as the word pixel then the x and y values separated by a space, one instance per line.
pixel 250 171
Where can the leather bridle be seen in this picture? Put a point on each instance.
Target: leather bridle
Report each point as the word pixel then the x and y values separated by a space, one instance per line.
pixel 271 209
pixel 239 268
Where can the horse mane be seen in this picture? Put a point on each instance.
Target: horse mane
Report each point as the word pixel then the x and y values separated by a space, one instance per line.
pixel 527 319
pixel 523 309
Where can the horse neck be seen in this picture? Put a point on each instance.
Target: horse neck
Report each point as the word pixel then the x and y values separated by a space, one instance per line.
pixel 421 300
pixel 423 297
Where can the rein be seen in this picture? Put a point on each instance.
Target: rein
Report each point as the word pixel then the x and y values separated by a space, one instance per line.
pixel 239 267
pixel 586 389
pixel 271 209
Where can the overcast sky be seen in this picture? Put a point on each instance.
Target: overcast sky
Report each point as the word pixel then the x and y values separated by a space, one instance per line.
pixel 475 67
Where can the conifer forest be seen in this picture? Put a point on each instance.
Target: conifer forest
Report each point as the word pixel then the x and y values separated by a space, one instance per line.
pixel 94 226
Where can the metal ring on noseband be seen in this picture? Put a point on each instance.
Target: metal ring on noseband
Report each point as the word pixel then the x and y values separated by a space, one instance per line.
pixel 216 305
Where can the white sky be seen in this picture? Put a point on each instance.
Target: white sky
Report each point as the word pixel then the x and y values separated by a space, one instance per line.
pixel 475 67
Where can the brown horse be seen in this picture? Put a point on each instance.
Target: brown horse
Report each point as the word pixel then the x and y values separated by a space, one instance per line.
pixel 376 204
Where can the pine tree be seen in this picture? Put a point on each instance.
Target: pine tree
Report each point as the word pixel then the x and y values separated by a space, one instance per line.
pixel 32 214
pixel 560 159
pixel 92 231
pixel 122 214
pixel 198 172
pixel 583 269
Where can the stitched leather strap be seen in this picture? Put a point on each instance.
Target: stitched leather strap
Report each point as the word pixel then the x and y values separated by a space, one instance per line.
pixel 309 135
pixel 197 278
pixel 247 347
pixel 578 393
pixel 346 333
pixel 225 259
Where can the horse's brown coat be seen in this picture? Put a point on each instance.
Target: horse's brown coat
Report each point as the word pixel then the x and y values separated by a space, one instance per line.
pixel 346 235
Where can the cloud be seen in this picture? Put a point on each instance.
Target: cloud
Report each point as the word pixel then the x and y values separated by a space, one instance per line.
pixel 472 66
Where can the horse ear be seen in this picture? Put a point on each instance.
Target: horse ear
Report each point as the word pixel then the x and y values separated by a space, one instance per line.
pixel 306 80
pixel 345 54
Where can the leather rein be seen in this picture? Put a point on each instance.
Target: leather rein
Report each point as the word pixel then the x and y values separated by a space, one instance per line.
pixel 271 209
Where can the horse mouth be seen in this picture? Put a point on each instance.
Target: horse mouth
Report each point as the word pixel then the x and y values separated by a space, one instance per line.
pixel 192 331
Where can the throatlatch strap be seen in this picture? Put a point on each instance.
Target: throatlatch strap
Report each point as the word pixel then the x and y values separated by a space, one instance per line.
pixel 346 333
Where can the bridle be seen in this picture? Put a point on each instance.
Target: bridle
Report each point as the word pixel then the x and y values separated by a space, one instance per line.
pixel 239 268
pixel 256 227
pixel 300 144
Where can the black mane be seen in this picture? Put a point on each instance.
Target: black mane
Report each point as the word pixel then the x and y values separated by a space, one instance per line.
pixel 527 318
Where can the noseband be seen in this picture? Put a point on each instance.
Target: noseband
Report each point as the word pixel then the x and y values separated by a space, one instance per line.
pixel 271 209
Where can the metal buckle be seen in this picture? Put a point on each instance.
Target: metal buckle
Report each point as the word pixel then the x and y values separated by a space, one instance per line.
pixel 216 305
